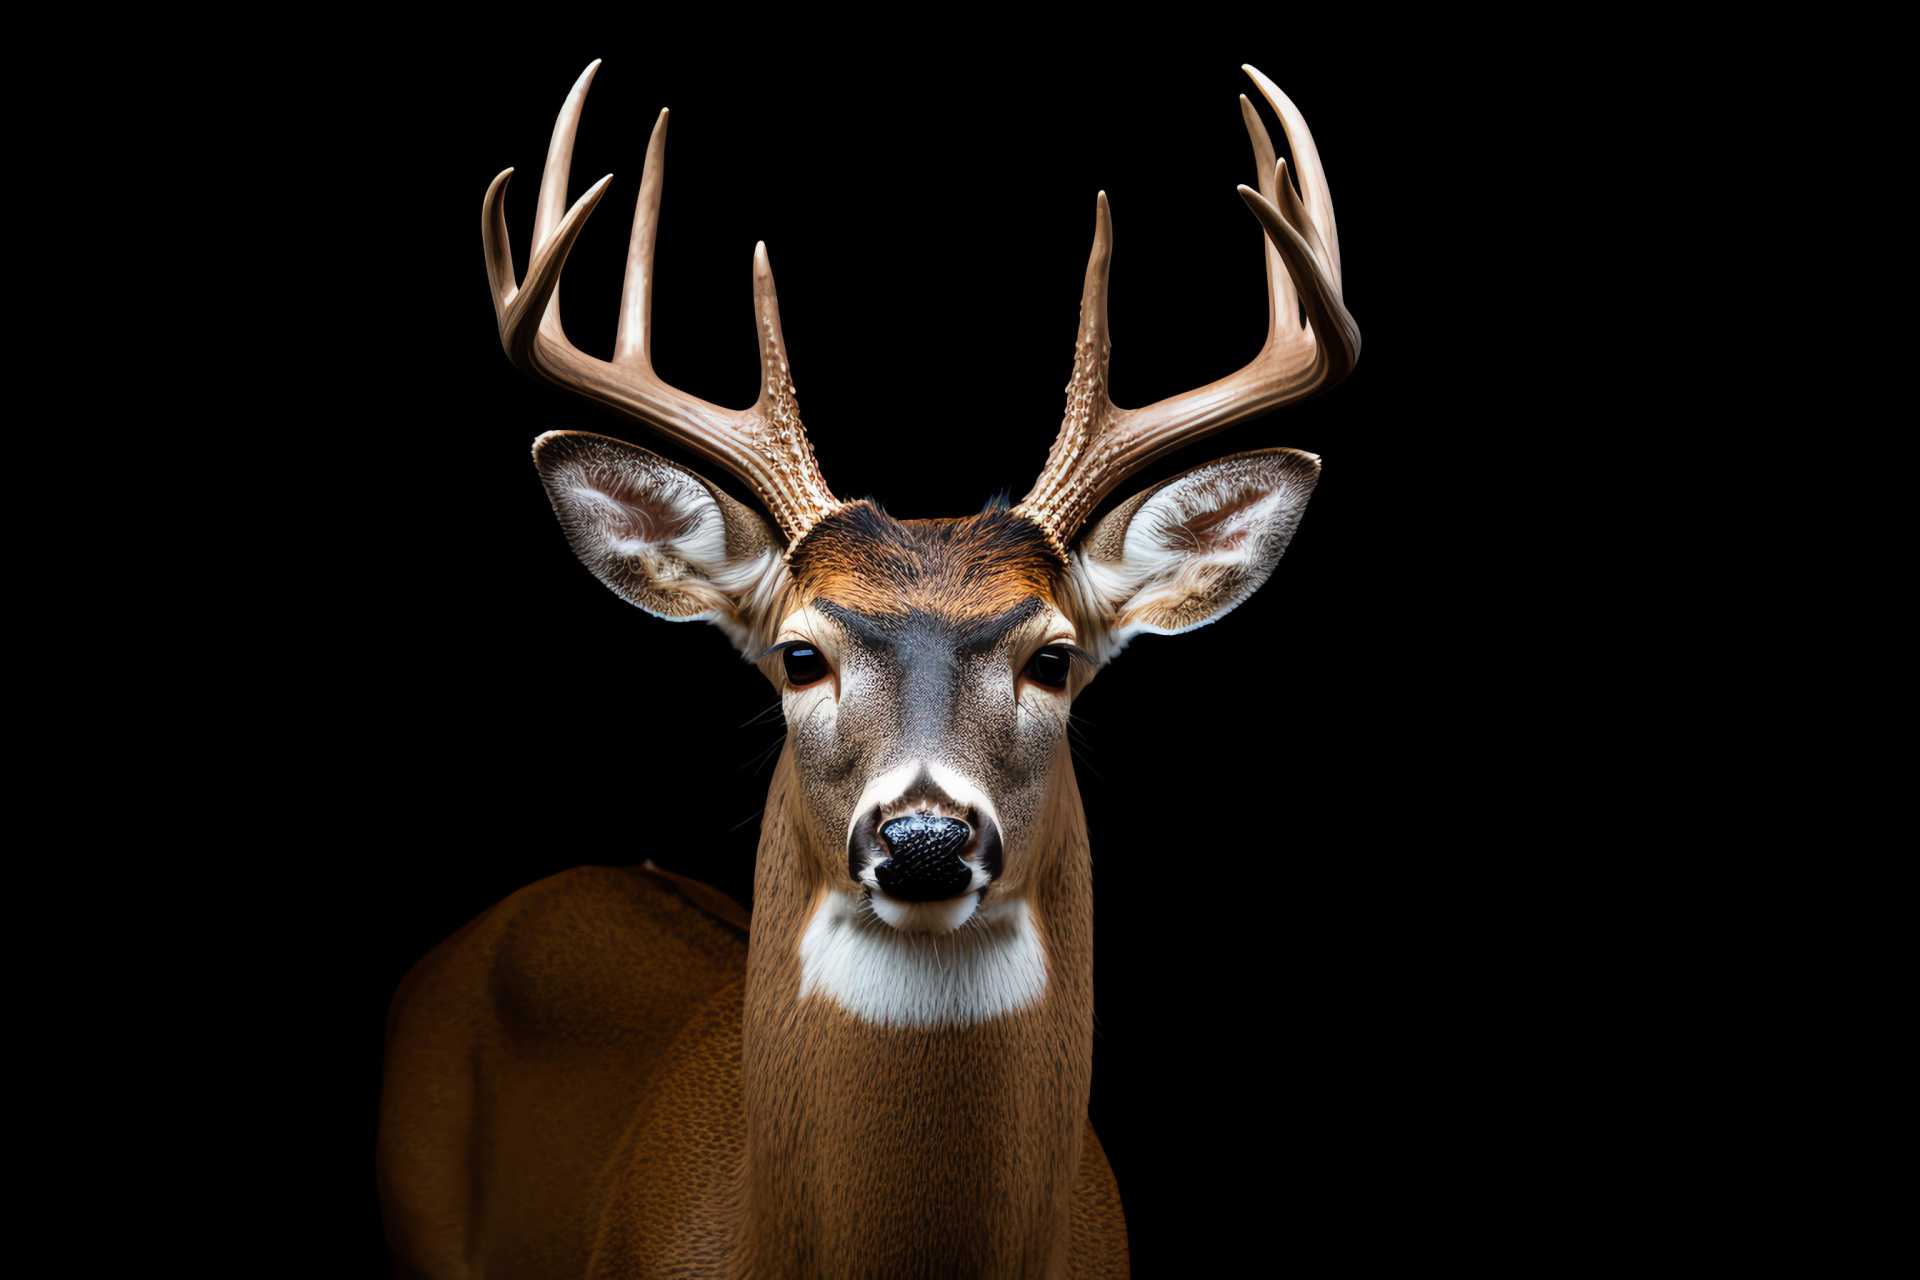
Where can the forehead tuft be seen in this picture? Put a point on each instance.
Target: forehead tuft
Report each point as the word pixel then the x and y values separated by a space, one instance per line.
pixel 978 566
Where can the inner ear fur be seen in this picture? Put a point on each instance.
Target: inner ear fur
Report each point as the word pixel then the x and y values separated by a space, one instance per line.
pixel 661 536
pixel 1185 552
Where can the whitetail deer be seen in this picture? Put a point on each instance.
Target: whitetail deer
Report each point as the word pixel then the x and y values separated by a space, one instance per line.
pixel 608 1074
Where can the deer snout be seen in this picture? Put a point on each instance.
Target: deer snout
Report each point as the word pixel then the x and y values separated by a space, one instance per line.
pixel 924 863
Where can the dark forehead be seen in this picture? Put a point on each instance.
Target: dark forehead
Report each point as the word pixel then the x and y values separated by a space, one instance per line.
pixel 919 629
pixel 974 569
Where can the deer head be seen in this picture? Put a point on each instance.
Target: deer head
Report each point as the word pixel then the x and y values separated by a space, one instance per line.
pixel 927 666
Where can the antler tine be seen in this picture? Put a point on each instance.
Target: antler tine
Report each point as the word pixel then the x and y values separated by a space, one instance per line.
pixel 1283 305
pixel 1281 195
pixel 1333 339
pixel 551 204
pixel 765 446
pixel 803 497
pixel 1100 444
pixel 521 322
pixel 1063 484
pixel 633 344
pixel 499 246
pixel 1306 164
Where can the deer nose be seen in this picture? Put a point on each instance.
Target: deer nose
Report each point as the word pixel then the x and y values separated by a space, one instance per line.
pixel 924 863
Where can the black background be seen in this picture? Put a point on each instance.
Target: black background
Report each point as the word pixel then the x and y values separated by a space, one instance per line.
pixel 1292 1009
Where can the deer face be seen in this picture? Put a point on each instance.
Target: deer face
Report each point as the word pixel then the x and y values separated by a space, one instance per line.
pixel 925 727
pixel 926 667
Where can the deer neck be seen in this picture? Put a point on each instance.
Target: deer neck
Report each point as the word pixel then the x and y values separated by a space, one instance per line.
pixel 942 1137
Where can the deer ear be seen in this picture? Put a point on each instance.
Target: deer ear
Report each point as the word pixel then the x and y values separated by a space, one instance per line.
pixel 1186 551
pixel 660 536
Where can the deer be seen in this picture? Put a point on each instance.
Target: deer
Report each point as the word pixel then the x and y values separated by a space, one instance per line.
pixel 884 1069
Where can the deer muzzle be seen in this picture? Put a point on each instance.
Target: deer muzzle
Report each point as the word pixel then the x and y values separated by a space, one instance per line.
pixel 924 859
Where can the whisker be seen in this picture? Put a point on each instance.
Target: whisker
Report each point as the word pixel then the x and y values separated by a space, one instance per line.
pixel 1081 745
pixel 1082 758
pixel 761 757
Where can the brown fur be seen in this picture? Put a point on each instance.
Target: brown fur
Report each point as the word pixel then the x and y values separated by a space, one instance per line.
pixel 519 1051
pixel 975 567
pixel 953 1151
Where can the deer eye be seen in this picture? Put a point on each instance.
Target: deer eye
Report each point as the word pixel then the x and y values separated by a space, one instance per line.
pixel 1050 667
pixel 804 664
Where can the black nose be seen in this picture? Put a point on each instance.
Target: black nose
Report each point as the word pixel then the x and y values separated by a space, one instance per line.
pixel 926 865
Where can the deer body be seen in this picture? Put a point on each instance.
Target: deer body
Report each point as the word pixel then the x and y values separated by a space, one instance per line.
pixel 886 1071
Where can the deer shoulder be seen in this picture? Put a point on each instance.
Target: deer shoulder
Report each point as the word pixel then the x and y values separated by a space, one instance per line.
pixel 520 1051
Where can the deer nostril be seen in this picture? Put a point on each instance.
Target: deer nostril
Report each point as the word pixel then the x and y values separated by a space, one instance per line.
pixel 925 866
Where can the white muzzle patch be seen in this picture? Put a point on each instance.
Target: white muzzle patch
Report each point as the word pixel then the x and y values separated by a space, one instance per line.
pixel 926 917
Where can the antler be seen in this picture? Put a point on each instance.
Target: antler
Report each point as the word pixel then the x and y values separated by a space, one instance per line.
pixel 765 445
pixel 1101 444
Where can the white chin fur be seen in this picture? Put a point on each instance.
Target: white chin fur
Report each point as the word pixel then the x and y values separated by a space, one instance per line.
pixel 989 969
pixel 925 917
